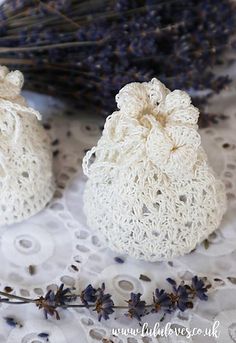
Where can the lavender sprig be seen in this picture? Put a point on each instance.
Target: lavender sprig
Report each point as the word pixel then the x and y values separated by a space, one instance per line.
pixel 181 297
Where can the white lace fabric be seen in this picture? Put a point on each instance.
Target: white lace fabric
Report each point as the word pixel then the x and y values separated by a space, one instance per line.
pixel 61 247
pixel 26 179
pixel 150 189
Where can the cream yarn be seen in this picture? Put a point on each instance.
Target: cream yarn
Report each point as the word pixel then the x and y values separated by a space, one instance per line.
pixel 150 190
pixel 26 180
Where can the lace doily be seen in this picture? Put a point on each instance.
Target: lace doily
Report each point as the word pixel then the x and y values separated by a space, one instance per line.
pixel 26 180
pixel 60 246
pixel 150 190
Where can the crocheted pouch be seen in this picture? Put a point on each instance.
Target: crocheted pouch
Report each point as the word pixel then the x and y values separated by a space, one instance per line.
pixel 26 179
pixel 150 189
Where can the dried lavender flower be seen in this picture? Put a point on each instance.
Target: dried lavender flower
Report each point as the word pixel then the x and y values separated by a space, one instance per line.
pixel 104 304
pixel 161 301
pixel 119 260
pixel 64 295
pixel 179 297
pixel 12 322
pixel 88 295
pixel 48 305
pixel 136 306
pixel 88 51
pixel 198 288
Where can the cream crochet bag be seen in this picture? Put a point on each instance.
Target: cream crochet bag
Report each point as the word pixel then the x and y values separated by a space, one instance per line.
pixel 26 180
pixel 150 190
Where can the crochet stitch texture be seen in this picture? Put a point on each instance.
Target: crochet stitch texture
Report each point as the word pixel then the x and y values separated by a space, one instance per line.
pixel 150 189
pixel 26 179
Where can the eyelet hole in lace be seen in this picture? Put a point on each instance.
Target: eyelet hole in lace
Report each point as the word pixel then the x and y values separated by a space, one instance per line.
pixel 126 285
pixel 97 334
pixel 25 243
